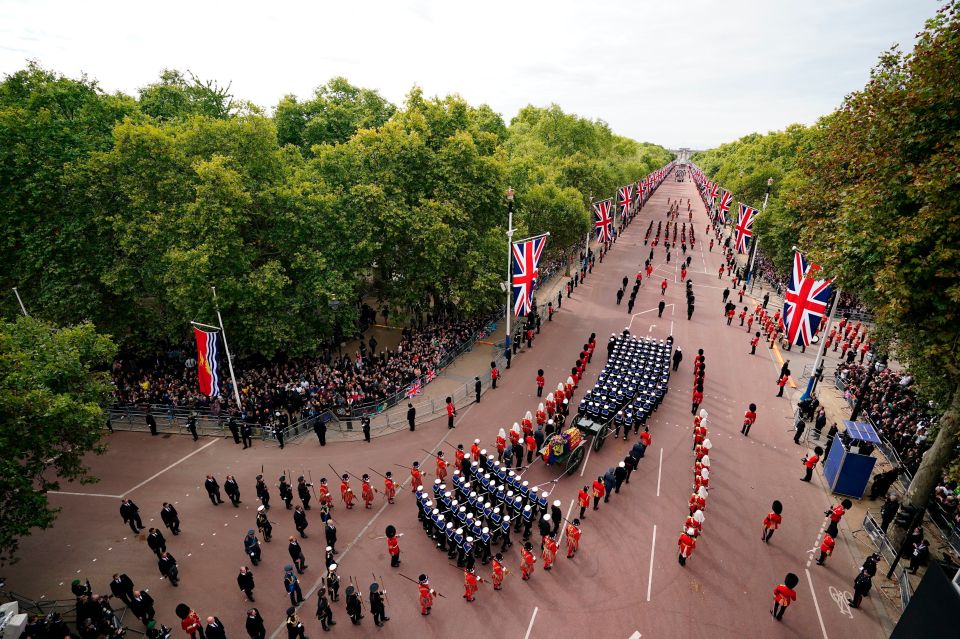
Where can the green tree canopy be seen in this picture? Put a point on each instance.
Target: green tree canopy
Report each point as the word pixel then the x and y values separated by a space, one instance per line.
pixel 52 388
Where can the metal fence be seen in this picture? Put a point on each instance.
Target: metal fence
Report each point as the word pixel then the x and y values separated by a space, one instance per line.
pixel 889 554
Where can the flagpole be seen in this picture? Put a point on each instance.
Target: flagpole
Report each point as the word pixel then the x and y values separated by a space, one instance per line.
pixel 510 230
pixel 812 384
pixel 223 333
pixel 23 308
pixel 753 258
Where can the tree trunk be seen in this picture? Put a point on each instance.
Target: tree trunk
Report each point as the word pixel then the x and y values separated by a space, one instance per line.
pixel 936 459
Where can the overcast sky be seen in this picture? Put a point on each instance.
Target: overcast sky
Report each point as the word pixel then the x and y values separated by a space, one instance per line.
pixel 692 73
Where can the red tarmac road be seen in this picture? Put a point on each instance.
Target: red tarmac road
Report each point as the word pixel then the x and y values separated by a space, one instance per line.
pixel 624 580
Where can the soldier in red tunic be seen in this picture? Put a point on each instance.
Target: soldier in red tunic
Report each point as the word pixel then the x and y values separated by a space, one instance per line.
pixel 389 487
pixel 540 382
pixel 426 594
pixel 499 572
pixel 527 561
pixel 494 374
pixel 573 538
pixel 772 521
pixel 416 477
pixel 441 466
pixel 549 552
pixel 687 544
pixel 470 584
pixel 458 458
pixel 366 491
pixel 783 595
pixel 346 493
pixel 826 548
pixel 325 498
pixel 393 546
pixel 583 500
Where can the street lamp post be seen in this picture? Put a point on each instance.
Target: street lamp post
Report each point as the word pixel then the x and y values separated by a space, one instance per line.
pixel 509 285
pixel 753 244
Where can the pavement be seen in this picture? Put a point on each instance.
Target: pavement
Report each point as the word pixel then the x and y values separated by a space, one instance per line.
pixel 624 582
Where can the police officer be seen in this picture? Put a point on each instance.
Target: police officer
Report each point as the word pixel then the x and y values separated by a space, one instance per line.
pixel 246 435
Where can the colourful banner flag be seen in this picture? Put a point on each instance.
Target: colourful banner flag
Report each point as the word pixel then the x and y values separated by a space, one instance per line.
pixel 208 375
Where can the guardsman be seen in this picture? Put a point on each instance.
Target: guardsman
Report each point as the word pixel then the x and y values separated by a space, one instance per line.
pixel 346 492
pixel 583 500
pixel 366 491
pixel 599 491
pixel 783 595
pixel 303 491
pixel 262 492
pixel 559 395
pixel 441 466
pixel 551 405
pixel 573 538
pixel 494 374
pixel 541 415
pixel 826 548
pixel 501 444
pixel 393 546
pixel 426 594
pixel 499 572
pixel 836 514
pixel 527 561
pixel 458 458
pixel 263 523
pixel 475 449
pixel 416 476
pixel 687 543
pixel 286 493
pixel 470 584
pixel 324 491
pixel 540 382
pixel 549 551
pixel 389 487
pixel 526 424
pixel 772 521
pixel 695 522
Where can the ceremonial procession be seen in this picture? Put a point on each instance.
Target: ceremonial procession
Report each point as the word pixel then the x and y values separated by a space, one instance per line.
pixel 285 354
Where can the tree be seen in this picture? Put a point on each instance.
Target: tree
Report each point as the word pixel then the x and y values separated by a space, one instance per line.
pixel 879 211
pixel 52 388
pixel 177 96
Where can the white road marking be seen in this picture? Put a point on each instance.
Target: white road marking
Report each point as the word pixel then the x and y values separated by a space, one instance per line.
pixel 842 599
pixel 564 528
pixel 636 635
pixel 815 603
pixel 585 460
pixel 182 459
pixel 653 547
pixel 63 492
pixel 660 470
pixel 530 625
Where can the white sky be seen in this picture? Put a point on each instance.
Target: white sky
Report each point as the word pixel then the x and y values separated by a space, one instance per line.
pixel 691 73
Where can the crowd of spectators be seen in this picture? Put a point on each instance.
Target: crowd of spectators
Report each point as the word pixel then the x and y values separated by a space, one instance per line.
pixel 333 380
pixel 891 404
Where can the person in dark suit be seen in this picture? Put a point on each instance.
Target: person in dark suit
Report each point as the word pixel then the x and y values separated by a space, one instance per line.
pixel 254 625
pixel 142 606
pixel 213 490
pixel 365 427
pixel 168 568
pixel 320 428
pixel 122 588
pixel 245 582
pixel 215 629
pixel 411 416
pixel 156 541
pixel 234 430
pixel 131 515
pixel 232 489
pixel 246 434
pixel 477 387
pixel 170 518
pixel 192 426
pixel 300 521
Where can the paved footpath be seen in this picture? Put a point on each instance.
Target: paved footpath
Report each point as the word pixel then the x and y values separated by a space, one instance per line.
pixel 625 581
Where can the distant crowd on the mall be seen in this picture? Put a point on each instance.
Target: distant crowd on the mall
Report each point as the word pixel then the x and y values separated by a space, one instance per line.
pixel 333 380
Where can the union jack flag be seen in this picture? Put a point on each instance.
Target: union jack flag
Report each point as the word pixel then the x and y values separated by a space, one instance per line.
pixel 414 389
pixel 805 302
pixel 526 272
pixel 645 185
pixel 431 375
pixel 726 199
pixel 744 229
pixel 714 189
pixel 604 220
pixel 625 198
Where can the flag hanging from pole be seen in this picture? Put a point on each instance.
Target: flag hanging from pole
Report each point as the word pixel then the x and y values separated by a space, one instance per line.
pixel 603 221
pixel 805 301
pixel 208 375
pixel 744 228
pixel 726 199
pixel 526 272
pixel 624 198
